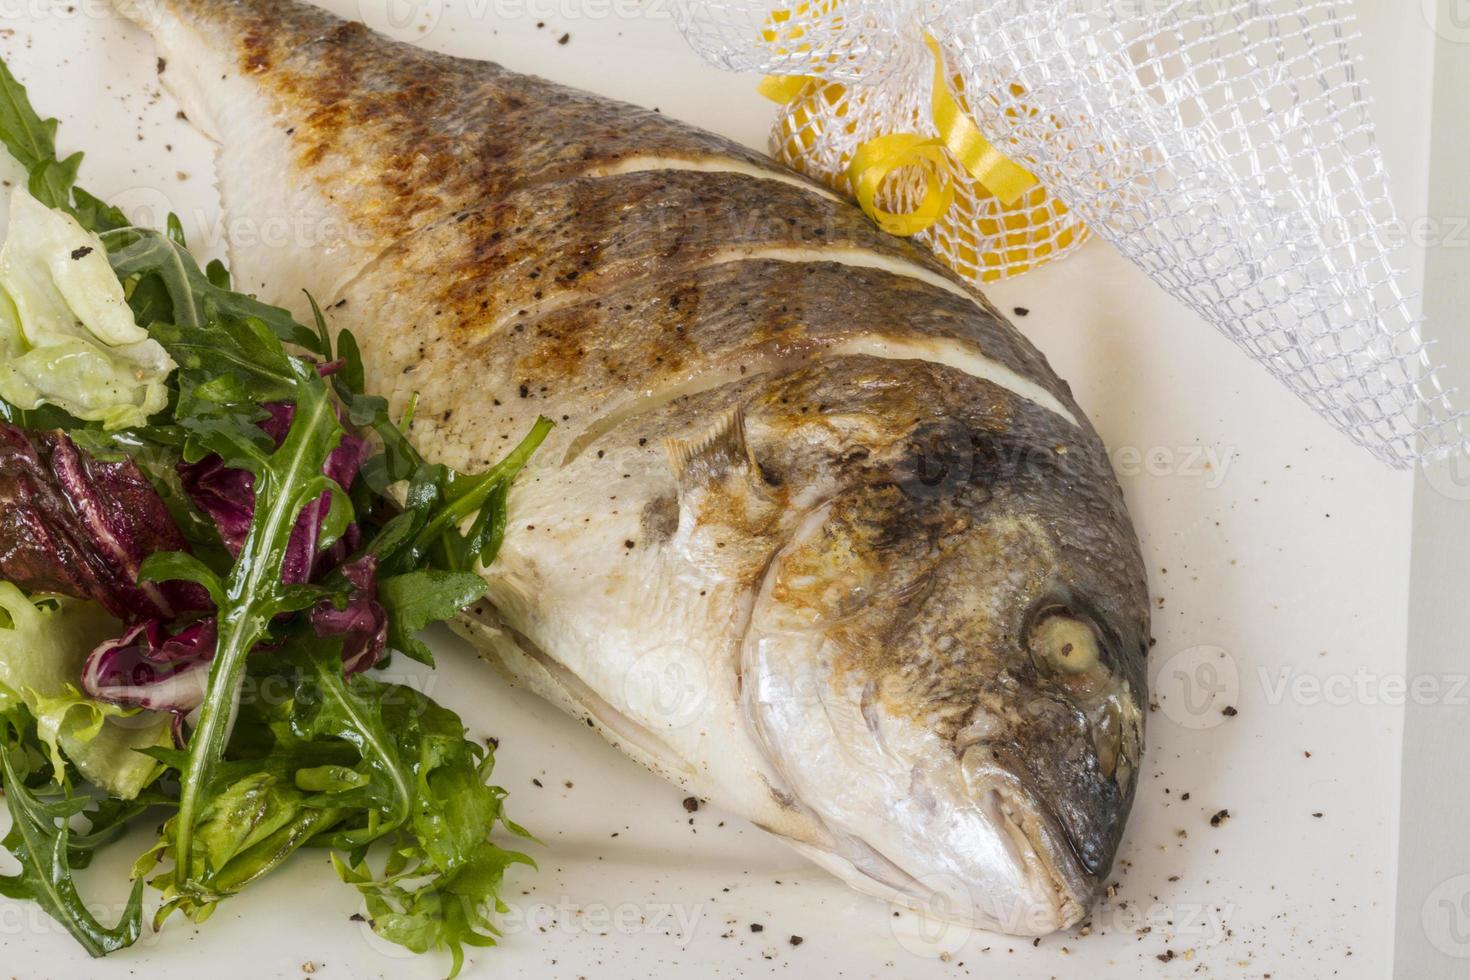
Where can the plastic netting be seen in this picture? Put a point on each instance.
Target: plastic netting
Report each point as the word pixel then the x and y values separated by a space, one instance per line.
pixel 1224 146
pixel 979 237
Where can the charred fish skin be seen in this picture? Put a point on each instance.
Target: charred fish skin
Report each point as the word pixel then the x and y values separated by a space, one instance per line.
pixel 798 464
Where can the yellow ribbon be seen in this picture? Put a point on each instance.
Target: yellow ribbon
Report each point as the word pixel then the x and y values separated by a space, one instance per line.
pixel 996 172
pixel 877 158
pixel 874 160
pixel 778 31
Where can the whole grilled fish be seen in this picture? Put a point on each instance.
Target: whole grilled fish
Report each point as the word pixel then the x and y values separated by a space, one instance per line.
pixel 819 536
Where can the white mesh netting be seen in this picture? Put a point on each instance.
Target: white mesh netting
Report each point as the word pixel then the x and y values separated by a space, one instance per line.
pixel 1225 146
pixel 979 237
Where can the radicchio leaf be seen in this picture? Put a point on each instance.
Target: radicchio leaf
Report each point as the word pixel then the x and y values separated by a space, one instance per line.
pixel 74 525
pixel 362 623
pixel 147 667
pixel 228 497
pixel 225 494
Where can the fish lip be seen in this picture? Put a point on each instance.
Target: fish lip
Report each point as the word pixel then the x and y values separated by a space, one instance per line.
pixel 1072 888
pixel 1044 844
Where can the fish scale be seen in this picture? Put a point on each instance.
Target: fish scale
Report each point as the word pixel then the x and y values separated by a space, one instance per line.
pixel 819 535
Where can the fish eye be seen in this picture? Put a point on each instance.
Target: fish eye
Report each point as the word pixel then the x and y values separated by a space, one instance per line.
pixel 1069 654
pixel 1061 643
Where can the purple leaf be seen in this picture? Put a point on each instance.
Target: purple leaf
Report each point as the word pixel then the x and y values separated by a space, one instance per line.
pixel 228 497
pixel 148 668
pixel 362 623
pixel 74 525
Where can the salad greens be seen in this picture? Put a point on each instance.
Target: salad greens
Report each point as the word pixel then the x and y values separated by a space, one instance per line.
pixel 42 646
pixel 228 507
pixel 67 337
pixel 41 838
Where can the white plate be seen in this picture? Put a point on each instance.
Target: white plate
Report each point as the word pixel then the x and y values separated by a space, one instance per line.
pixel 1266 536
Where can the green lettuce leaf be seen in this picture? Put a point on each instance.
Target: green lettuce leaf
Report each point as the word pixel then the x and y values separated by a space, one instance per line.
pixel 42 648
pixel 67 336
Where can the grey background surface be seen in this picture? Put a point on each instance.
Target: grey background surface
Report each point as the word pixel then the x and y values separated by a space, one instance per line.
pixel 1433 927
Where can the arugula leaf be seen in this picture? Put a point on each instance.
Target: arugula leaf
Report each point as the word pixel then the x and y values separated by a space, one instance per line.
pixel 216 410
pixel 441 879
pixel 180 566
pixel 94 214
pixel 286 480
pixel 32 141
pixel 197 300
pixel 333 706
pixel 28 137
pixel 451 912
pixel 249 828
pixel 44 417
pixel 40 839
pixel 51 182
pixel 439 501
pixel 410 782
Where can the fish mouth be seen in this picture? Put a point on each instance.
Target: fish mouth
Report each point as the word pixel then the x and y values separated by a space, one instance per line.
pixel 1047 888
pixel 1048 857
pixel 1053 890
pixel 1043 851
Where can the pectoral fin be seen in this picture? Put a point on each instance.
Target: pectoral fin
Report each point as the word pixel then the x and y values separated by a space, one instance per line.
pixel 728 509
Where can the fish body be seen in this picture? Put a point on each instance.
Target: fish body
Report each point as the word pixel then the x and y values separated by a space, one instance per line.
pixel 818 536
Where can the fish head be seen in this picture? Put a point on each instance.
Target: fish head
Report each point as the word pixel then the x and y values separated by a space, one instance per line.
pixel 954 685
